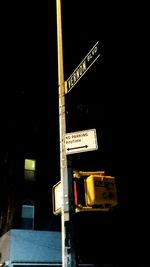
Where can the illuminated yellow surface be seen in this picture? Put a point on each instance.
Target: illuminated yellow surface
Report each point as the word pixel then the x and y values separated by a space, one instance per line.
pixel 29 164
pixel 100 190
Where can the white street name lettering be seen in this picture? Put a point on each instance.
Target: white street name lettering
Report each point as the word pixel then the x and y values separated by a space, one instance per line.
pixel 82 68
pixel 76 75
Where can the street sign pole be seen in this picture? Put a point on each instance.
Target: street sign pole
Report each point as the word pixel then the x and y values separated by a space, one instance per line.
pixel 67 232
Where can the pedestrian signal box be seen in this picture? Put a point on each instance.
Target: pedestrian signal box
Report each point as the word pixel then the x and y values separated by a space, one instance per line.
pixel 100 190
pixel 93 191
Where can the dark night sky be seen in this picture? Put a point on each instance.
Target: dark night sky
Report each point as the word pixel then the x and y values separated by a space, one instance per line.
pixel 29 69
pixel 29 103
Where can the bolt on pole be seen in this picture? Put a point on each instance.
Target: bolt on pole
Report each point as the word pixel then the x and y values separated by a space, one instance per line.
pixel 68 246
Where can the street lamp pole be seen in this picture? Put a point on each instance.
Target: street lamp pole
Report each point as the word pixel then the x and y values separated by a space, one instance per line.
pixel 67 209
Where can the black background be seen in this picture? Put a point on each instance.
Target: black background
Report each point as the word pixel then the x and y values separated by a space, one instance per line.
pixel 109 100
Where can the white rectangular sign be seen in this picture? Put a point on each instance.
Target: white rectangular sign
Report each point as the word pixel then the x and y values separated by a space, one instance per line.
pixel 82 68
pixel 82 141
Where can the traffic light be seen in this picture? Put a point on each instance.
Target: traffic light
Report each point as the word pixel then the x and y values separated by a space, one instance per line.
pixel 93 191
pixel 99 191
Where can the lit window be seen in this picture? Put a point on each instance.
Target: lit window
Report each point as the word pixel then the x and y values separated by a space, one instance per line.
pixel 29 164
pixel 27 215
pixel 29 170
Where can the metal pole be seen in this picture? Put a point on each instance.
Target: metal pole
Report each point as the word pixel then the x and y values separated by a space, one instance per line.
pixel 68 247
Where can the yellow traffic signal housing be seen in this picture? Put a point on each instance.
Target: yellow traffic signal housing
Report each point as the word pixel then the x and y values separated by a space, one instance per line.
pixel 95 192
pixel 100 191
